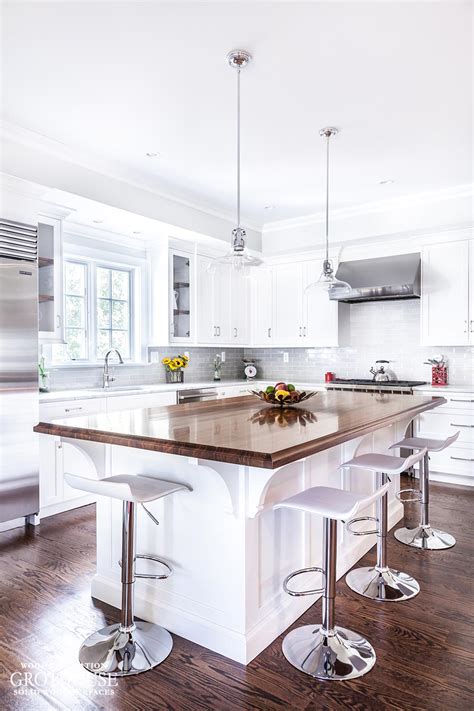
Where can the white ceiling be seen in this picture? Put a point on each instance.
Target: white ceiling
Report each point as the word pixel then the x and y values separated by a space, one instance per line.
pixel 119 79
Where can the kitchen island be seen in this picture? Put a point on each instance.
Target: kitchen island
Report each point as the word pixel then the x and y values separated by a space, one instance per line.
pixel 229 549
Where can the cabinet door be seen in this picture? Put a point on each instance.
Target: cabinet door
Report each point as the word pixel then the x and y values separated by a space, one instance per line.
pixel 239 309
pixel 204 302
pixel 50 286
pixel 445 294
pixel 261 307
pixel 288 304
pixel 221 282
pixel 320 314
pixel 51 484
pixel 180 298
pixel 471 292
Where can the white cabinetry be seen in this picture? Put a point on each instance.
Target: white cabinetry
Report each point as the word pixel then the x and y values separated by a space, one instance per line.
pixel 448 294
pixel 180 299
pixel 222 306
pixel 455 463
pixel 262 307
pixel 300 318
pixel 57 457
pixel 116 403
pixel 50 276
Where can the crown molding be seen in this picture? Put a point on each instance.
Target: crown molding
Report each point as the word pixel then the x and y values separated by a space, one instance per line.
pixel 112 169
pixel 80 230
pixel 371 208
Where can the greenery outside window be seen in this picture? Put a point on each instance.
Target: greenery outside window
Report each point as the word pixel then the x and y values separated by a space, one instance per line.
pixel 98 309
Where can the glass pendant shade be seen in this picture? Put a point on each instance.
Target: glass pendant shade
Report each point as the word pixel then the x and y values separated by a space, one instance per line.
pixel 328 282
pixel 238 259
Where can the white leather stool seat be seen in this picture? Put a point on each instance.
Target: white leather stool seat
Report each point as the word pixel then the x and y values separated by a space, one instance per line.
pixel 137 488
pixel 337 504
pixel 383 462
pixel 432 445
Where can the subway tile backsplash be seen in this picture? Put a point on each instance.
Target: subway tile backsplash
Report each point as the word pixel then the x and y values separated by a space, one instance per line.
pixel 389 330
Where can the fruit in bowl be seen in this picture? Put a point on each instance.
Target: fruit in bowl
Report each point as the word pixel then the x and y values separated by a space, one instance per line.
pixel 283 394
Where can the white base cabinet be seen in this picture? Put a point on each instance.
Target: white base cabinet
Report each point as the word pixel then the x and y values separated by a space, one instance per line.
pixel 455 464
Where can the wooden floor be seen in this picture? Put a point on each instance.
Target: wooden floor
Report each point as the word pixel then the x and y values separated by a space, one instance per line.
pixel 424 646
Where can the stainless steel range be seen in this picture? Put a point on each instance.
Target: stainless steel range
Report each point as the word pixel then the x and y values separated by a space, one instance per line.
pixel 404 387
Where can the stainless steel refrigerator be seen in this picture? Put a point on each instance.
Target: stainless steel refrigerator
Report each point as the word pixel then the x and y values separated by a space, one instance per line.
pixel 19 402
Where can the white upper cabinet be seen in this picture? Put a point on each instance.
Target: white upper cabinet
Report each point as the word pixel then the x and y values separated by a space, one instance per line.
pixel 214 307
pixel 447 296
pixel 300 318
pixel 239 309
pixel 181 302
pixel 50 279
pixel 261 306
pixel 321 315
pixel 288 320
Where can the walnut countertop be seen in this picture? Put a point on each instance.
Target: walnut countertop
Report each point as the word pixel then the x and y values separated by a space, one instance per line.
pixel 243 430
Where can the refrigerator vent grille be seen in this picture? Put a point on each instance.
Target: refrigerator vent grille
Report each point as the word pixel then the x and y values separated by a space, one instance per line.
pixel 18 241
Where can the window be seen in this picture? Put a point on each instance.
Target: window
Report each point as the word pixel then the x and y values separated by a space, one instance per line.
pixel 75 305
pixel 113 311
pixel 97 311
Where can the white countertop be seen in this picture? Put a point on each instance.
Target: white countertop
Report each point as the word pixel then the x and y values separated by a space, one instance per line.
pixel 88 393
pixel 445 389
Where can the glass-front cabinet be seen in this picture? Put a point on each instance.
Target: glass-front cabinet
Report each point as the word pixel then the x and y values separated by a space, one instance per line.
pixel 181 301
pixel 50 300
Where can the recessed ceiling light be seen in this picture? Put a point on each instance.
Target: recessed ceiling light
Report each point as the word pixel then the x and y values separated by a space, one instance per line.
pixel 98 222
pixel 152 154
pixel 269 207
pixel 386 182
pixel 136 232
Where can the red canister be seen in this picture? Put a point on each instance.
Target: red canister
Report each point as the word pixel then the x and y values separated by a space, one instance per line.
pixel 328 377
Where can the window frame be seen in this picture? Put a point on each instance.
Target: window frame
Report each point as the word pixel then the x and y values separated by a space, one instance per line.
pixel 134 303
pixel 87 323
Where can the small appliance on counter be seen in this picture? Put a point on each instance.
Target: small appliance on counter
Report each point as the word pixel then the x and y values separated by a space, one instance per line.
pixel 382 373
pixel 250 369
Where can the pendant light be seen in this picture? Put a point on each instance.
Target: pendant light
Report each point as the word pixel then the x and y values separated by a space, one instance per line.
pixel 327 281
pixel 238 257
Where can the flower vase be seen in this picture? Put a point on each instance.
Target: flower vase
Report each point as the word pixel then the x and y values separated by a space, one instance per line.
pixel 175 376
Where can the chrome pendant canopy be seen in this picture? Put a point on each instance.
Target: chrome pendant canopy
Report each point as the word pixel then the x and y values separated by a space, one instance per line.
pixel 238 257
pixel 327 280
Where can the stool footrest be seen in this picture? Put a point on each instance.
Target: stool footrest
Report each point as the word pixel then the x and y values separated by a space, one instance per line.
pixel 155 559
pixel 297 593
pixel 414 499
pixel 350 523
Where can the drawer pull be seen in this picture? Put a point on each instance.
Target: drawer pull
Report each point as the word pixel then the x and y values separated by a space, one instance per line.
pixel 70 409
pixel 454 400
pixel 453 424
pixel 463 459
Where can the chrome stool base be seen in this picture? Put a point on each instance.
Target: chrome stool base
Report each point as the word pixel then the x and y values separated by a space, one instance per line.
pixel 340 654
pixel 425 537
pixel 382 584
pixel 115 653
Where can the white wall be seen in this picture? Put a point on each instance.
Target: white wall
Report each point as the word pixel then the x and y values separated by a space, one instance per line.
pixel 31 163
pixel 385 221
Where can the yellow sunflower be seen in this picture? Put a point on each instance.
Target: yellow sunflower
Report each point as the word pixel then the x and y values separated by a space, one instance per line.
pixel 166 361
pixel 178 362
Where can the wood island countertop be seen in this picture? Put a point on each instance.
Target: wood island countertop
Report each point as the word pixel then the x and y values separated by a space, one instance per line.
pixel 243 430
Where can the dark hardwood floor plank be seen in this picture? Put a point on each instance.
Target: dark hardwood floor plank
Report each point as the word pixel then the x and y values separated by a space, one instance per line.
pixel 424 647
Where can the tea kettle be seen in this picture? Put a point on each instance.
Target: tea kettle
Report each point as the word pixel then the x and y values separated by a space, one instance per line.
pixel 381 373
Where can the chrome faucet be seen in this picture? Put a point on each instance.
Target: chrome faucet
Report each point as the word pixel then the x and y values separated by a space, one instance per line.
pixel 107 378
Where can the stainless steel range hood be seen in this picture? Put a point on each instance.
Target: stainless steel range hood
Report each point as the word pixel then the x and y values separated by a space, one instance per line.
pixel 380 279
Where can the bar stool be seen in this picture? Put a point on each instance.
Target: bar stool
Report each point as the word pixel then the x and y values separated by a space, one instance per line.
pixel 327 651
pixel 423 536
pixel 381 582
pixel 129 647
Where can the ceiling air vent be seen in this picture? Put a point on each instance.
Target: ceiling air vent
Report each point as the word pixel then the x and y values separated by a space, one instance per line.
pixel 18 241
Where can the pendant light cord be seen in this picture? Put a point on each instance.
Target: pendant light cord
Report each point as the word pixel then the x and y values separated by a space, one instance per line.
pixel 238 147
pixel 328 136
